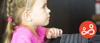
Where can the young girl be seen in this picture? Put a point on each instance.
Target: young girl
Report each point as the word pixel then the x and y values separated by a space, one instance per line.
pixel 25 21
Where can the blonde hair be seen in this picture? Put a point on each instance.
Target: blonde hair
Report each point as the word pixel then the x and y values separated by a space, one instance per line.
pixel 14 9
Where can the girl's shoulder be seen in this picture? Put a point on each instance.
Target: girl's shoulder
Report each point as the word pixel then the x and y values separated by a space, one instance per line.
pixel 25 31
pixel 22 30
pixel 21 35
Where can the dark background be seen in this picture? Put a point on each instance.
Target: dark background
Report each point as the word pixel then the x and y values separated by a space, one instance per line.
pixel 69 14
pixel 65 14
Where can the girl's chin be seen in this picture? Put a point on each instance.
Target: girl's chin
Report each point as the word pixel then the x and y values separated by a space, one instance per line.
pixel 46 23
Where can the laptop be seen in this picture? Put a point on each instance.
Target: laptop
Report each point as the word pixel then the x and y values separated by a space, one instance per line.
pixel 69 38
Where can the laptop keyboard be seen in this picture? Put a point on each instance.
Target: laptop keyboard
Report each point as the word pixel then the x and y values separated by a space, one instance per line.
pixel 73 38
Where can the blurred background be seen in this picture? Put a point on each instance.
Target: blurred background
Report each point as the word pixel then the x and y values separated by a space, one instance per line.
pixel 67 14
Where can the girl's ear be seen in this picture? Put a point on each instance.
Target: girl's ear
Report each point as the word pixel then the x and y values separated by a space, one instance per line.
pixel 26 16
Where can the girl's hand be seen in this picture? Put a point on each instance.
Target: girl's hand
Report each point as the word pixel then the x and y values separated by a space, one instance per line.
pixel 53 33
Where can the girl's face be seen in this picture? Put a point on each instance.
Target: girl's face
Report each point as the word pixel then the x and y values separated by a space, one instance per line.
pixel 40 13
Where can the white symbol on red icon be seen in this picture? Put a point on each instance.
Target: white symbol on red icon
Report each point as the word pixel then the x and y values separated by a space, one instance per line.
pixel 87 32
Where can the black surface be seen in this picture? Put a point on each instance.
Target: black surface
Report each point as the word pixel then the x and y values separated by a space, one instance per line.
pixel 69 38
pixel 57 40
pixel 73 38
pixel 95 39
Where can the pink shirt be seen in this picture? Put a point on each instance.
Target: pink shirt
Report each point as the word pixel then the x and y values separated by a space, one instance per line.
pixel 24 35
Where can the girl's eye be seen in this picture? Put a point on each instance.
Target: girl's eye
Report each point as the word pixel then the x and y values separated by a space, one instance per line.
pixel 43 6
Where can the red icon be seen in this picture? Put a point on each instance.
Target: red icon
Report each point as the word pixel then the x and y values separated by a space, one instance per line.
pixel 87 29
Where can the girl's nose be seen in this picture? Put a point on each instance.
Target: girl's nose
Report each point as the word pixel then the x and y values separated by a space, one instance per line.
pixel 48 10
